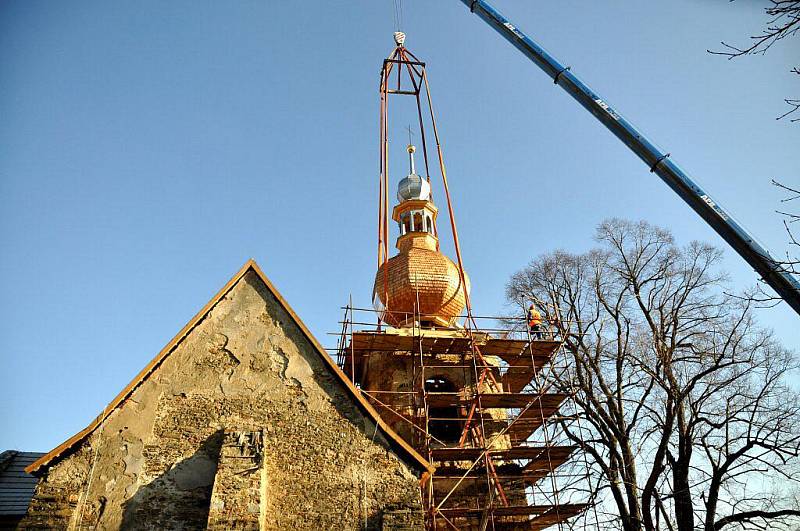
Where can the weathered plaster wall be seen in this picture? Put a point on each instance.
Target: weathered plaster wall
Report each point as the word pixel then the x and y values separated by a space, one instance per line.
pixel 246 366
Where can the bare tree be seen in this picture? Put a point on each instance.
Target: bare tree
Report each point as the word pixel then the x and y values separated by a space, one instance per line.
pixel 685 412
pixel 790 262
pixel 783 21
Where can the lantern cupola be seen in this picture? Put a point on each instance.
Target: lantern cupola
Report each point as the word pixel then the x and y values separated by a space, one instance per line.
pixel 415 213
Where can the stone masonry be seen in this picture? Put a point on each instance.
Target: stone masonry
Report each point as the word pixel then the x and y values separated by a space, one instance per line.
pixel 238 500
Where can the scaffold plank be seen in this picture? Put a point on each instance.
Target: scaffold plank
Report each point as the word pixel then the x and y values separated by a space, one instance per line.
pixel 511 350
pixel 546 462
pixel 517 377
pixel 364 342
pixel 503 454
pixel 380 342
pixel 500 401
pixel 504 347
pixel 556 515
pixel 444 345
pixel 532 418
pixel 562 511
pixel 506 400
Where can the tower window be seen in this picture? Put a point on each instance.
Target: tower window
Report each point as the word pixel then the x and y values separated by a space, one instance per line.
pixel 418 224
pixel 405 223
pixel 444 423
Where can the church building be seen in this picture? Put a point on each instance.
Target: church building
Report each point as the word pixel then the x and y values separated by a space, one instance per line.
pixel 241 422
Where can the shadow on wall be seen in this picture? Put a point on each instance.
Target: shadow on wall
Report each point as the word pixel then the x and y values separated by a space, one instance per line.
pixel 179 498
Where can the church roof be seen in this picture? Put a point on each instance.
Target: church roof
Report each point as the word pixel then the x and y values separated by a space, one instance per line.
pixel 16 486
pixel 397 443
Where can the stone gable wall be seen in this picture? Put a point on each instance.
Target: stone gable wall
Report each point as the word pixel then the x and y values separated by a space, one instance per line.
pixel 246 367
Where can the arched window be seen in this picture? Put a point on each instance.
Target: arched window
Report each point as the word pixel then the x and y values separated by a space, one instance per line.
pixel 419 224
pixel 430 224
pixel 405 223
pixel 444 423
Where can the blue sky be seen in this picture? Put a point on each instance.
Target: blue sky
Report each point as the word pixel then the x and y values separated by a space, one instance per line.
pixel 148 149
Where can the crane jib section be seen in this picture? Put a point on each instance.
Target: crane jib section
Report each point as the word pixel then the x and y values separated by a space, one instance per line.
pixel 771 271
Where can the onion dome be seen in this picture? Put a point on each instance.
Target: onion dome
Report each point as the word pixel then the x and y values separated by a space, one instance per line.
pixel 420 273
pixel 412 186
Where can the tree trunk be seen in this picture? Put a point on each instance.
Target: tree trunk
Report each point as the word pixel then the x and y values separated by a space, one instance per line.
pixel 684 510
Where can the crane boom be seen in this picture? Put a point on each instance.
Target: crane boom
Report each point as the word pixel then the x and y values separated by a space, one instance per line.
pixel 771 271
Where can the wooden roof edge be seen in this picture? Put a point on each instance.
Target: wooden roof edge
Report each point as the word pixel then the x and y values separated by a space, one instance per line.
pixel 193 322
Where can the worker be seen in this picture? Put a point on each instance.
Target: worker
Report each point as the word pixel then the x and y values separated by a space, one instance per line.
pixel 535 322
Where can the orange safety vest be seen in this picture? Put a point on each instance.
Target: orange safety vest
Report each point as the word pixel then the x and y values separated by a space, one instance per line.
pixel 534 317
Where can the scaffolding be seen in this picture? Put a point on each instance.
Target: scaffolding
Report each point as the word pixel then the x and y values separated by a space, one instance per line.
pixel 479 405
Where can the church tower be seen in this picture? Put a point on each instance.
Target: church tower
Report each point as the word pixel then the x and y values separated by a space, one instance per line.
pixel 473 401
